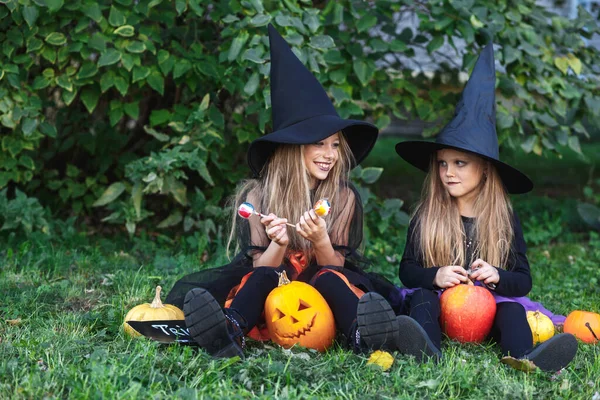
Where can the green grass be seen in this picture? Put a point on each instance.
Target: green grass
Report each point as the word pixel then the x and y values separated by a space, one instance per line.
pixel 71 298
pixel 69 343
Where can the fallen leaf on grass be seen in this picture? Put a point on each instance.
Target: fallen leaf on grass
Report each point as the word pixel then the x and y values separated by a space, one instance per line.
pixel 14 322
pixel 381 358
pixel 519 364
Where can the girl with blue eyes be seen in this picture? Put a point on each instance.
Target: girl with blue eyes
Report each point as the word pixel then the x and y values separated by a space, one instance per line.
pixel 464 228
pixel 307 157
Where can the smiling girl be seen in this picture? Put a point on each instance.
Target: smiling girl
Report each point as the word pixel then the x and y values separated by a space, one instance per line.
pixel 465 222
pixel 308 157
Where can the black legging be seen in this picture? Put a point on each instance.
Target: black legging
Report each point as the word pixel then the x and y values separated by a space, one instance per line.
pixel 340 298
pixel 249 301
pixel 510 328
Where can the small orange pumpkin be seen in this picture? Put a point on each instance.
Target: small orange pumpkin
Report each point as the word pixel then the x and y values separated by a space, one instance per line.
pixel 541 326
pixel 296 313
pixel 584 325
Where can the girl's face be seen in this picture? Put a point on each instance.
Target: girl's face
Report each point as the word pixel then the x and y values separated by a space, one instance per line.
pixel 461 173
pixel 320 157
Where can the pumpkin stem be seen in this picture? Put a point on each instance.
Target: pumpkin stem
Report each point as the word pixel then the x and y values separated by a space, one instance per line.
pixel 587 324
pixel 283 278
pixel 156 303
pixel 470 283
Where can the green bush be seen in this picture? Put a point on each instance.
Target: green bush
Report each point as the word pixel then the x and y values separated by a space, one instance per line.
pixel 116 111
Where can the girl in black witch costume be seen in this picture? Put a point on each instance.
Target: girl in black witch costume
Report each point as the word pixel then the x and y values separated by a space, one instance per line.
pixel 465 228
pixel 306 158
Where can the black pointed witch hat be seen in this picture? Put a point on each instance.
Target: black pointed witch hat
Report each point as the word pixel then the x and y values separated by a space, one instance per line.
pixel 473 127
pixel 302 112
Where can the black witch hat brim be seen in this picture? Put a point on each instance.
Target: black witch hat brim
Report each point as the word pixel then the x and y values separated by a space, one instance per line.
pixel 361 137
pixel 419 153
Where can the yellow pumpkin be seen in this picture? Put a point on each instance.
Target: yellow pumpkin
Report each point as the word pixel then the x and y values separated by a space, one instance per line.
pixel 296 313
pixel 584 325
pixel 157 311
pixel 541 326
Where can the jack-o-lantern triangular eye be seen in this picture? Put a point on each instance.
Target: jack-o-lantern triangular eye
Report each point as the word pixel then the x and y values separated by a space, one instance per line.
pixel 278 315
pixel 303 305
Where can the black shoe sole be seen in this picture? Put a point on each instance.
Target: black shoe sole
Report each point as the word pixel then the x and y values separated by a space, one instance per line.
pixel 412 340
pixel 555 353
pixel 207 324
pixel 376 322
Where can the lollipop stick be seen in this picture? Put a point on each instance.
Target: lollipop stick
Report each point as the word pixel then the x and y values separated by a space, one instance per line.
pixel 263 215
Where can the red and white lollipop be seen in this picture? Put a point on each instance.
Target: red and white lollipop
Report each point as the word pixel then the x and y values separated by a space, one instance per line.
pixel 246 210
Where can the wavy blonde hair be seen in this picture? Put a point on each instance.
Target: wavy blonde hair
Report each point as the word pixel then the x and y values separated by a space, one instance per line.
pixel 283 189
pixel 439 230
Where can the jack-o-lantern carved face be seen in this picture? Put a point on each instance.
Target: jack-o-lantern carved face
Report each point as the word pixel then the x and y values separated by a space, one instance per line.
pixel 296 313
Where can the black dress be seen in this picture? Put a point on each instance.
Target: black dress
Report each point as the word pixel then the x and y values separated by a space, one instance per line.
pixel 345 232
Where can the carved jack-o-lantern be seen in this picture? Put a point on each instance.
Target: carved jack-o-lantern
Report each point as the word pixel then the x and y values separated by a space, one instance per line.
pixel 296 313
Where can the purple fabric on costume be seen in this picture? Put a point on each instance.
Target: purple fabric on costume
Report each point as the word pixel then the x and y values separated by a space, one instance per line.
pixel 403 294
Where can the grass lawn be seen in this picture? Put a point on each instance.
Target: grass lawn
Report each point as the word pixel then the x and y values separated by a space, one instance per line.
pixel 63 306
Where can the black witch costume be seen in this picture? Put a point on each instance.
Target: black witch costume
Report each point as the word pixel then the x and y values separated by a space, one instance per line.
pixel 473 130
pixel 222 305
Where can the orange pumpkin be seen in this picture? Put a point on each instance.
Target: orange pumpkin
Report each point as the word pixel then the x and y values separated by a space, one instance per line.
pixel 296 313
pixel 584 325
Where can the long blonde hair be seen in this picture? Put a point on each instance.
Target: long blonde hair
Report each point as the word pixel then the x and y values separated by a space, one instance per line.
pixel 283 189
pixel 439 230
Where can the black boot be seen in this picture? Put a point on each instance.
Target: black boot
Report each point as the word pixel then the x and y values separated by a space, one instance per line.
pixel 218 331
pixel 412 340
pixel 375 327
pixel 551 356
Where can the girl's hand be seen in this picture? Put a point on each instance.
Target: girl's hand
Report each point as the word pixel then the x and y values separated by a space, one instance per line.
pixel 276 229
pixel 452 275
pixel 484 272
pixel 312 227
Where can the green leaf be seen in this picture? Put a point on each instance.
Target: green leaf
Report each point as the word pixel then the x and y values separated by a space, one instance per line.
pixel 116 17
pixel 110 57
pixel 140 73
pixel 156 82
pixel 475 22
pixel 107 81
pixel 236 46
pixel 97 42
pixel 30 15
pixel 89 96
pixel 322 42
pixel 173 219
pixel 161 137
pixel 128 61
pixel 204 103
pixel 54 5
pixel 28 126
pixel 371 174
pixel 27 162
pixel 56 39
pixel 180 6
pixel 574 144
pixel 252 84
pixel 48 129
pixel 203 171
pixel 260 20
pixel 87 70
pixel 362 71
pixel 115 116
pixel 125 31
pixel 92 11
pixel 366 22
pixel 436 43
pixel 181 68
pixel 136 197
pixel 574 63
pixel 122 85
pixel 253 55
pixel 132 109
pixel 136 47
pixel 110 194
pixel 159 117
pixel 529 143
pixel 65 82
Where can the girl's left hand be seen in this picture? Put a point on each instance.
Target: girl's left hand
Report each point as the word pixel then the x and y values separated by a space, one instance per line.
pixel 312 227
pixel 484 272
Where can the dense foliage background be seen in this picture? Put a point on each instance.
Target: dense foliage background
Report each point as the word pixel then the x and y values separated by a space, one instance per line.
pixel 140 112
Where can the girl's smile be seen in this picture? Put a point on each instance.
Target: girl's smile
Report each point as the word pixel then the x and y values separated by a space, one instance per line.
pixel 320 157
